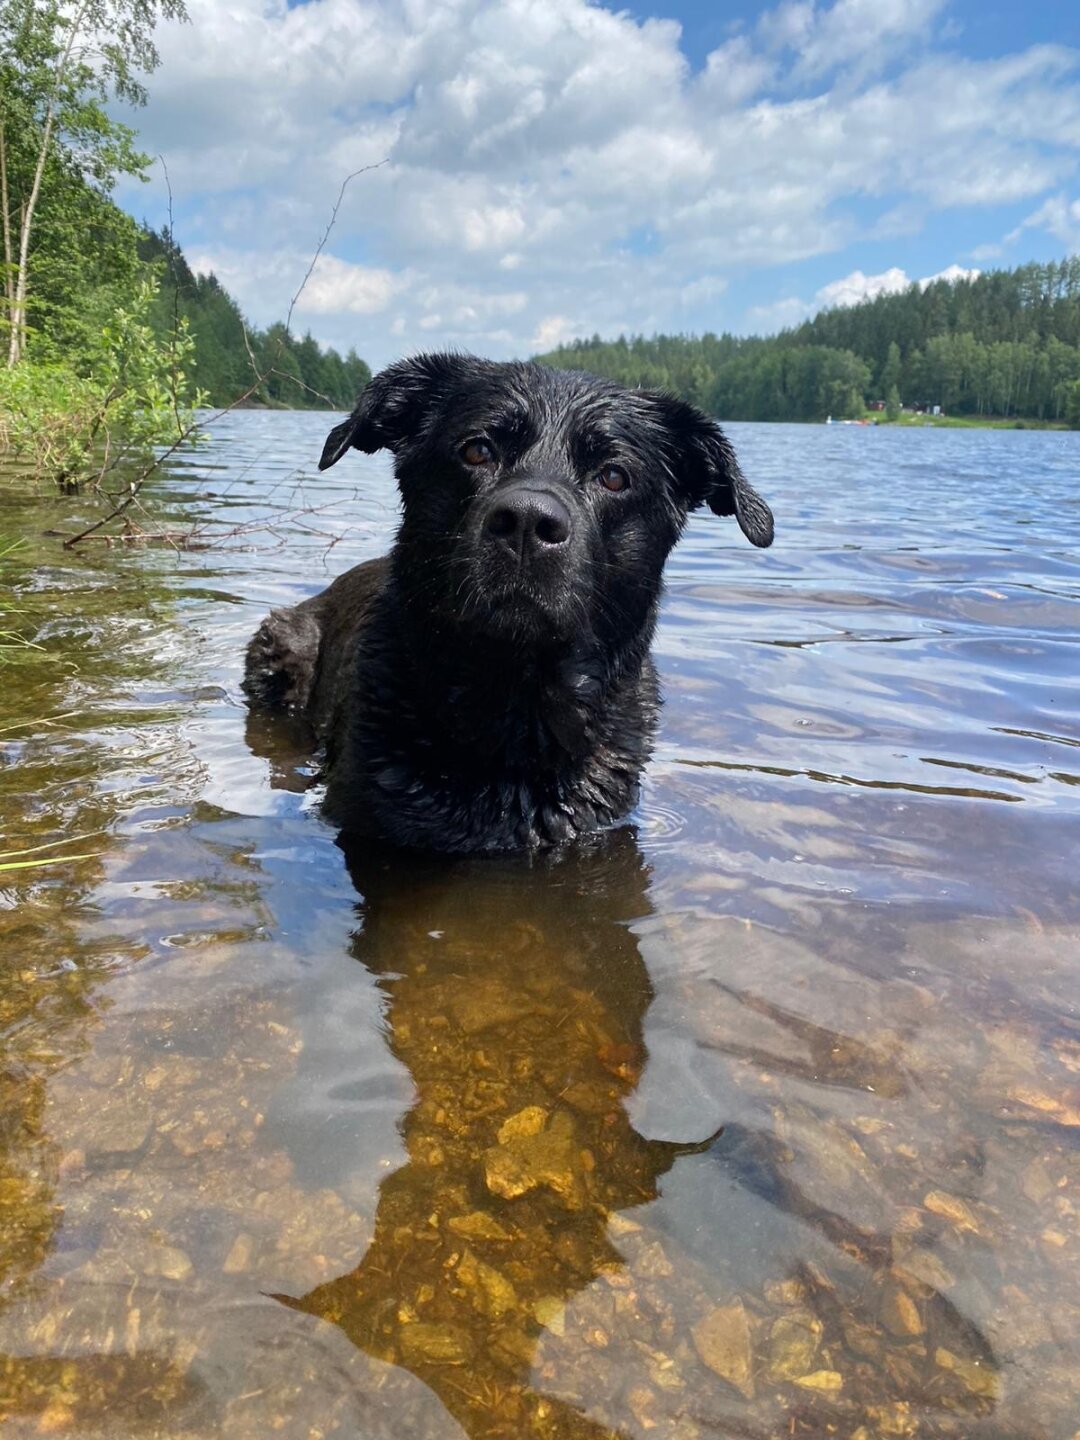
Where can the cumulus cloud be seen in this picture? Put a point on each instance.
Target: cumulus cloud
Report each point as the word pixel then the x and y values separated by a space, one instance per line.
pixel 1060 216
pixel 848 290
pixel 554 330
pixel 857 286
pixel 860 36
pixel 335 285
pixel 951 273
pixel 559 168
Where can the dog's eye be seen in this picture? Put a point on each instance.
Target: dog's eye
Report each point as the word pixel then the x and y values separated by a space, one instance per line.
pixel 613 477
pixel 477 452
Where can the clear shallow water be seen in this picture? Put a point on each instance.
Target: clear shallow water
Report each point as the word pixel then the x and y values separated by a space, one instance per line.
pixel 384 1148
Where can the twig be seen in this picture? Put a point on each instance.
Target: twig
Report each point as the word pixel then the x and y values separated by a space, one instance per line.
pixel 326 233
pixel 176 297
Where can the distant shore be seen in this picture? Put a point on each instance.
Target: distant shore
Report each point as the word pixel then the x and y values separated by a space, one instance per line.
pixel 912 420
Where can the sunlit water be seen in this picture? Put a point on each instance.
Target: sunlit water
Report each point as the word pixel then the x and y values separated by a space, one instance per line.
pixel 761 1119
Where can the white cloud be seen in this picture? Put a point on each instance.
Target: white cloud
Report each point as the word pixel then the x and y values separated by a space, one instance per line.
pixel 558 164
pixel 951 273
pixel 1060 216
pixel 862 36
pixel 734 73
pixel 848 290
pixel 1057 216
pixel 788 27
pixel 336 285
pixel 857 286
pixel 780 315
pixel 554 330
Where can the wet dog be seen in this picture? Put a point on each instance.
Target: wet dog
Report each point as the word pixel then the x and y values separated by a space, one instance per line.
pixel 487 686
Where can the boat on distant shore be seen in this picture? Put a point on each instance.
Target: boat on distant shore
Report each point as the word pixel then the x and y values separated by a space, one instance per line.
pixel 830 421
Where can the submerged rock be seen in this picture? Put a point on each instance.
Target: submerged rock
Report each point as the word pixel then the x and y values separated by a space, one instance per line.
pixel 523 1124
pixel 550 1311
pixel 793 1345
pixel 899 1312
pixel 528 1158
pixel 826 1382
pixel 979 1379
pixel 478 1225
pixel 722 1339
pixel 423 1344
pixel 490 1291
pixel 950 1207
pixel 118 1130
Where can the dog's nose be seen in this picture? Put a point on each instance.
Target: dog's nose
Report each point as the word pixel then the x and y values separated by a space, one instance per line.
pixel 528 519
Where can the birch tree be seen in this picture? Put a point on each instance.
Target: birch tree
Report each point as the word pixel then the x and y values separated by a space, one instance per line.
pixel 60 63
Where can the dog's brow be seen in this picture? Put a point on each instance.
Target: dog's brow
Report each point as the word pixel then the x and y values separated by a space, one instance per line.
pixel 513 427
pixel 590 445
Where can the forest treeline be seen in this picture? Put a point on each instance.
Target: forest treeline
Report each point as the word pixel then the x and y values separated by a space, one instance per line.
pixel 229 354
pixel 1003 344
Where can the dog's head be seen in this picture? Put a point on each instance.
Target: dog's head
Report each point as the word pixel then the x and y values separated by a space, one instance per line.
pixel 541 504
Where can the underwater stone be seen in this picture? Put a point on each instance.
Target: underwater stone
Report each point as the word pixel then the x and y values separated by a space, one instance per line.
pixel 526 1161
pixel 793 1345
pixel 722 1339
pixel 435 1344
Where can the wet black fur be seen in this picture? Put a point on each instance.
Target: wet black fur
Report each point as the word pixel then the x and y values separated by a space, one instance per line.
pixel 468 701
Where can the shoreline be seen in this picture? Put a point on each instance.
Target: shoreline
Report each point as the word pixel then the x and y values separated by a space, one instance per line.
pixel 967 422
pixel 875 419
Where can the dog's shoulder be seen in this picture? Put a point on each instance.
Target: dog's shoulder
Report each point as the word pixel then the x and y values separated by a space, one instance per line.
pixel 347 611
pixel 346 601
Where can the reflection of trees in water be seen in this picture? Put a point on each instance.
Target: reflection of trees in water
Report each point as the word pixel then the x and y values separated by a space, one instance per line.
pixel 517 999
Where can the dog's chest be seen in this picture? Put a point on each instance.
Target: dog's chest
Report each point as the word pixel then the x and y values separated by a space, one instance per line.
pixel 503 811
pixel 529 773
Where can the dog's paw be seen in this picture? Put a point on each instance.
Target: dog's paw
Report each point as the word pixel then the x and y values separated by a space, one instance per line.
pixel 279 672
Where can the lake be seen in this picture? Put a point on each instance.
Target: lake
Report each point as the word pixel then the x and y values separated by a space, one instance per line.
pixel 760 1118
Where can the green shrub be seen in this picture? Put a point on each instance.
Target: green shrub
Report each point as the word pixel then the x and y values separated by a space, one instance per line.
pixel 133 393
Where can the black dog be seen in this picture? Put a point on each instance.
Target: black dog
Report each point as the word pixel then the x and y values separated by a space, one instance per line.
pixel 487 685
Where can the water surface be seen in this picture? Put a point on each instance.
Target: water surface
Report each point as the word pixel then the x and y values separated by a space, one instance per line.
pixel 758 1119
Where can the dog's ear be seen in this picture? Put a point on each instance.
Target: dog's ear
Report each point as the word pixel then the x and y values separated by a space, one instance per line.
pixel 392 407
pixel 707 472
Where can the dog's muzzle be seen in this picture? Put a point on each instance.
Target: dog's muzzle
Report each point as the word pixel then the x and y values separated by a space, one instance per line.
pixel 528 523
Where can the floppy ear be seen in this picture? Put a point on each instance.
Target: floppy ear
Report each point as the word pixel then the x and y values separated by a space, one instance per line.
pixel 392 407
pixel 708 473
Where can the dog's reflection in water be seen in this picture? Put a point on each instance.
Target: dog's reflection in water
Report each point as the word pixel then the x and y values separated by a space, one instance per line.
pixel 516 999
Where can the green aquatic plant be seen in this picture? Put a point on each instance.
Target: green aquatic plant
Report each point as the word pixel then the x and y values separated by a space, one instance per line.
pixel 8 864
pixel 16 859
pixel 12 640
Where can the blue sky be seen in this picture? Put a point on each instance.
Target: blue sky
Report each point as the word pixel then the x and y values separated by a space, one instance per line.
pixel 980 29
pixel 552 168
